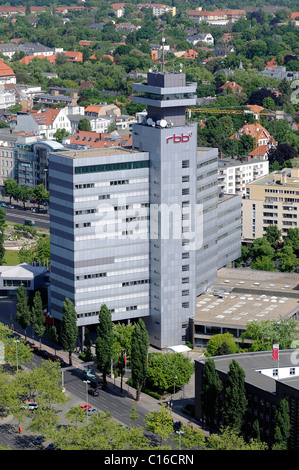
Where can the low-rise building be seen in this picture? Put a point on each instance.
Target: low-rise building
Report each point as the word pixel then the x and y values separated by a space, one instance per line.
pixel 30 277
pixel 216 17
pixel 267 381
pixel 240 296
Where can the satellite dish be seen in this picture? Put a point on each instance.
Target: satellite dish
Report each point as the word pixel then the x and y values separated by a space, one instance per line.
pixel 163 123
pixel 149 121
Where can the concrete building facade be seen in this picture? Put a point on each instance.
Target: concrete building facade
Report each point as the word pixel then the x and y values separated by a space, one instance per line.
pixel 163 192
pixel 271 200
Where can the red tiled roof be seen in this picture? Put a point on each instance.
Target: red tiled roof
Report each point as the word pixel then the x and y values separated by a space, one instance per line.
pixel 233 85
pixel 5 70
pixel 46 117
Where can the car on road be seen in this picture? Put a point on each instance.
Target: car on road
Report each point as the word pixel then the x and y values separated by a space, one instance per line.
pixel 94 392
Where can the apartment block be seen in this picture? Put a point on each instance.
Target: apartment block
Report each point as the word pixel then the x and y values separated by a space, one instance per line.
pixel 271 200
pixel 234 173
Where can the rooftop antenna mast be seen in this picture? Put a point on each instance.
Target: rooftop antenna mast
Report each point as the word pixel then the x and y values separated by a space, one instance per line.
pixel 163 41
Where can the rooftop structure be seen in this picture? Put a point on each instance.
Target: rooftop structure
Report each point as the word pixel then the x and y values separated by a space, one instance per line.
pixel 243 295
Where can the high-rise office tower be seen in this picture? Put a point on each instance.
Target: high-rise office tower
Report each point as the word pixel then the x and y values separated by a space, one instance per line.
pixel 139 229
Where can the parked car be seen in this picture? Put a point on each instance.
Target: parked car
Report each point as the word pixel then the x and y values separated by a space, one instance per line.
pixel 92 411
pixel 85 407
pixel 3 204
pixel 31 405
pixel 38 440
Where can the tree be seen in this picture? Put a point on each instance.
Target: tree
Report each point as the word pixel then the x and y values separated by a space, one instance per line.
pixel 88 356
pixel 104 341
pixel 11 188
pixel 230 439
pixel 160 422
pixel 273 235
pixel 37 315
pixel 140 345
pixel 23 315
pixel 235 402
pixel 69 328
pixel 261 247
pixel 168 371
pixel 264 334
pixel 282 426
pixel 292 239
pixel 282 153
pixel 264 263
pixel 210 392
pixel 287 259
pixel 216 344
pixel 60 134
pixel 84 125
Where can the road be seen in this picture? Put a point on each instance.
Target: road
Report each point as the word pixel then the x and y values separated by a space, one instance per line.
pixel 18 214
pixel 110 398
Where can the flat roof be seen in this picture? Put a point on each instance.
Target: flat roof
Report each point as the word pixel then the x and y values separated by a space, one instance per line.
pixel 101 152
pixel 255 363
pixel 243 295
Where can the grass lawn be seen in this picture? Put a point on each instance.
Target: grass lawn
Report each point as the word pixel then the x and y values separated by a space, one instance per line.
pixel 11 258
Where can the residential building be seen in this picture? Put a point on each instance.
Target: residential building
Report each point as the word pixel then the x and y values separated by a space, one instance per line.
pixel 271 200
pixel 44 122
pixel 141 228
pixel 233 86
pixel 235 172
pixel 7 144
pixel 216 17
pixel 103 110
pixel 201 37
pixel 119 9
pixel 8 50
pixel 35 49
pixel 260 135
pixel 19 10
pixel 280 73
pixel 7 97
pixel 266 381
pixel 7 74
pixel 158 8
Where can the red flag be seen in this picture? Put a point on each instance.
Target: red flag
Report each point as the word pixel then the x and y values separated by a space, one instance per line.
pixel 125 359
pixel 275 351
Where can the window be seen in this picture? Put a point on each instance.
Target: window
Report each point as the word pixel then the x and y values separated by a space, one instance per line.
pixel 111 167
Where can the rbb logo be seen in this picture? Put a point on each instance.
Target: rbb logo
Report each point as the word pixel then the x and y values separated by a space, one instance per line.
pixel 179 138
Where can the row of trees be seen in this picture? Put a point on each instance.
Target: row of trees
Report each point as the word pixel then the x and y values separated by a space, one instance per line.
pixel 231 398
pixel 13 190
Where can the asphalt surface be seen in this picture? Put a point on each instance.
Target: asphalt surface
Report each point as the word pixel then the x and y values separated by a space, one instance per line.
pixel 18 214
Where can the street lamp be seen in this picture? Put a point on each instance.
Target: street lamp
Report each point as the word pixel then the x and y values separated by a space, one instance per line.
pixel 86 382
pixel 17 341
pixel 179 433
